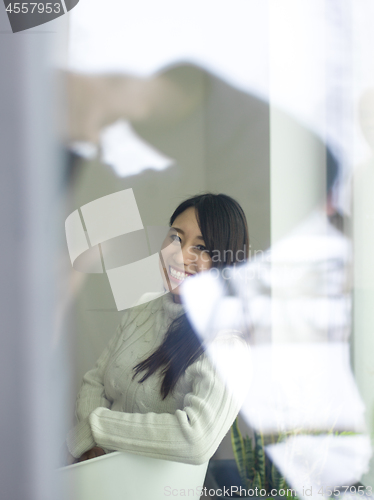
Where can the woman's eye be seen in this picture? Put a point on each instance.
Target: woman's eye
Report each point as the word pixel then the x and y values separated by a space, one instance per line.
pixel 175 237
pixel 202 248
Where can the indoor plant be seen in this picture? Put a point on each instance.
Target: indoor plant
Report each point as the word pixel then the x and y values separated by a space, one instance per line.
pixel 251 469
pixel 255 469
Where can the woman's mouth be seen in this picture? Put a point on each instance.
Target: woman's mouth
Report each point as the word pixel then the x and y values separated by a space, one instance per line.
pixel 178 276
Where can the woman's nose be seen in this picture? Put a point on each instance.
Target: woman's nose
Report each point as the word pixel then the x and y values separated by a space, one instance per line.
pixel 189 256
pixel 184 256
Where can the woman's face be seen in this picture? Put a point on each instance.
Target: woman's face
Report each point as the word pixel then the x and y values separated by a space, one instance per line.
pixel 183 252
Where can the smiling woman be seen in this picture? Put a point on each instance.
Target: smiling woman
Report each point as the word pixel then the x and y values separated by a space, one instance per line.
pixel 184 252
pixel 205 231
pixel 154 390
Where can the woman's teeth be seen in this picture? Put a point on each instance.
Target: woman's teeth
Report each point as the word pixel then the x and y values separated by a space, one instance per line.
pixel 178 274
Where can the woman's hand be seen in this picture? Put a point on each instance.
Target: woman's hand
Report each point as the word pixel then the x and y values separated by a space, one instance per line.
pixel 94 452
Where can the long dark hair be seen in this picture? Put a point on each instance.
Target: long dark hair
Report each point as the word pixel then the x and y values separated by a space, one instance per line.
pixel 224 229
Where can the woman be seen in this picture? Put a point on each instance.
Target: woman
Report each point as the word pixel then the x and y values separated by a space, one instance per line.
pixel 154 391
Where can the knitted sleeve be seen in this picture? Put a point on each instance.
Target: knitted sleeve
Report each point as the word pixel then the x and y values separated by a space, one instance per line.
pixel 190 435
pixel 92 391
pixel 91 396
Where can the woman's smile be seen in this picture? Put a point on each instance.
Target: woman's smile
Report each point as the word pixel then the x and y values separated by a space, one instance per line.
pixel 183 252
pixel 178 275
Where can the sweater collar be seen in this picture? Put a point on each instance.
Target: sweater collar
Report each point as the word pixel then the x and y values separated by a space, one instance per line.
pixel 171 308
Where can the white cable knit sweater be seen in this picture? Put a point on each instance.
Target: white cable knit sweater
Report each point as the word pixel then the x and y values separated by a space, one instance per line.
pixel 115 412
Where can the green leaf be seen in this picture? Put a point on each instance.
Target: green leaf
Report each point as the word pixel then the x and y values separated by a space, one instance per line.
pixel 257 481
pixel 249 457
pixel 260 456
pixel 277 480
pixel 238 448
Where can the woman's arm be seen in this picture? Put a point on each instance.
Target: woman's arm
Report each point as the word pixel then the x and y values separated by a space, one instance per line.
pixel 191 435
pixel 90 397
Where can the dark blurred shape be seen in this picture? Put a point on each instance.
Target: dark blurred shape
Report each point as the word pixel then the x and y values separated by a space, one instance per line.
pixel 70 4
pixel 35 15
pixel 225 137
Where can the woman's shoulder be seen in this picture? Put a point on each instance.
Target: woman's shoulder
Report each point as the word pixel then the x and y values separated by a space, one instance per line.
pixel 228 353
pixel 225 347
pixel 230 343
pixel 146 307
pixel 232 339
